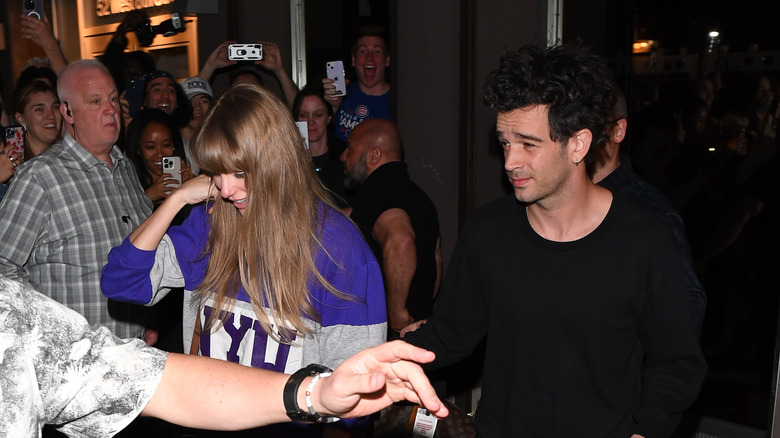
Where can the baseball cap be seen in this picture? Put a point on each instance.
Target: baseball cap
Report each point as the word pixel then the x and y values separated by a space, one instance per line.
pixel 194 86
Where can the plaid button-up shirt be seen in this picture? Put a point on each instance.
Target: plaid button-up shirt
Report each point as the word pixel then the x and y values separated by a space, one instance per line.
pixel 63 212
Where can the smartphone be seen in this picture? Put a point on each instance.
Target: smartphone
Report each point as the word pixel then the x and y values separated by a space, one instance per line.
pixel 134 94
pixel 245 52
pixel 303 128
pixel 33 8
pixel 172 166
pixel 14 140
pixel 335 71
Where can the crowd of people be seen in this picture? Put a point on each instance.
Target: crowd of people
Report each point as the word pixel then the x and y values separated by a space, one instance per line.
pixel 300 257
pixel 271 273
pixel 710 145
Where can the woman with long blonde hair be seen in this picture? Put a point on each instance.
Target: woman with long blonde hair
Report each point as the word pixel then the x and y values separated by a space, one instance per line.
pixel 279 278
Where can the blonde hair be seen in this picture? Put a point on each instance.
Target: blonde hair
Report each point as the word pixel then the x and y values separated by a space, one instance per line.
pixel 271 249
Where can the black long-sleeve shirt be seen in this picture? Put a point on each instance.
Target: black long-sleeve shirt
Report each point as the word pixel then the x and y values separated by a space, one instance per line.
pixel 587 338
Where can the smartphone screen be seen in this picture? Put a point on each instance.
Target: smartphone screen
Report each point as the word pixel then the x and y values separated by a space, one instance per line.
pixel 303 128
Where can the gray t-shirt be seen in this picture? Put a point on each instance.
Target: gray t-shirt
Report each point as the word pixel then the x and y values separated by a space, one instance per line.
pixel 56 369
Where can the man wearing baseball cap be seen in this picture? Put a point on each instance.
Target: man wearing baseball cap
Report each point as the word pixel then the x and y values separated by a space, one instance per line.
pixel 199 93
pixel 156 89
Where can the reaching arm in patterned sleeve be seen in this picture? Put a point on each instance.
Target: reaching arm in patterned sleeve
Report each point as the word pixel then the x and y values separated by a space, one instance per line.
pixel 85 379
pixel 59 370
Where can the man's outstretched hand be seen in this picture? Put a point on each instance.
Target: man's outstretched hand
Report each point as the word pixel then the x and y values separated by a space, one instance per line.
pixel 377 377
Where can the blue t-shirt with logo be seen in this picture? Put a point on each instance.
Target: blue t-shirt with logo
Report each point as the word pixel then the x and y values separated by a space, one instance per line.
pixel 358 106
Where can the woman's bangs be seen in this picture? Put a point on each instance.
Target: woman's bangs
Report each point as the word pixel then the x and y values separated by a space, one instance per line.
pixel 217 150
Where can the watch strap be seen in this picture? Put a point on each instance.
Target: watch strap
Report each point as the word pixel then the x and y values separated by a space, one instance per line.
pixel 290 395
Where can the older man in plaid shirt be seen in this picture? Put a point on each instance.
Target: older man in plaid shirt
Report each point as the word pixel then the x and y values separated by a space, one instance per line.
pixel 67 208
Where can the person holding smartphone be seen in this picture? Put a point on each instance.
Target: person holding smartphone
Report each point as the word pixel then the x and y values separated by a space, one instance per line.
pixel 369 98
pixel 201 97
pixel 38 111
pixel 39 31
pixel 311 107
pixel 9 161
pixel 151 136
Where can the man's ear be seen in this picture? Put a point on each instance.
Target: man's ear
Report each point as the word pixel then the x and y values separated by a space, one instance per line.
pixel 66 113
pixel 579 144
pixel 373 157
pixel 619 131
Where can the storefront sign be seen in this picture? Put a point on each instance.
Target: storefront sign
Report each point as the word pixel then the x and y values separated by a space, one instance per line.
pixel 109 7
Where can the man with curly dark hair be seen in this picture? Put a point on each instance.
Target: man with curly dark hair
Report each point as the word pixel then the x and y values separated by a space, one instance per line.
pixel 579 293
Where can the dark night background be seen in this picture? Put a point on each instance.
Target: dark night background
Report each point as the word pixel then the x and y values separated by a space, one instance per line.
pixel 681 23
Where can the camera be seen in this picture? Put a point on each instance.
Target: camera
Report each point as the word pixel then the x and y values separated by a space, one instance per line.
pixel 245 52
pixel 145 32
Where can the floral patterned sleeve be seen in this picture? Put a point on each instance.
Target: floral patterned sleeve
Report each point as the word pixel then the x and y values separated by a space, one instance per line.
pixel 56 369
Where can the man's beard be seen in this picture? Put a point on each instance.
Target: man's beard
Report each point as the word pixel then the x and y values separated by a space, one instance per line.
pixel 355 177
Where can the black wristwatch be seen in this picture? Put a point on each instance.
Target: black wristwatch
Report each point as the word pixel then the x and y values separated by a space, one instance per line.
pixel 290 395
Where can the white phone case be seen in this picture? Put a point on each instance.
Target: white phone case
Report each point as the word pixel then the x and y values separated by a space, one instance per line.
pixel 245 52
pixel 172 166
pixel 335 71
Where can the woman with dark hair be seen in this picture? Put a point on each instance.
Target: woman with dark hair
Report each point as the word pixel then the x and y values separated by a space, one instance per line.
pixel 310 107
pixel 152 135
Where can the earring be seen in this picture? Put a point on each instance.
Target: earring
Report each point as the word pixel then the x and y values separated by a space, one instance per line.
pixel 576 162
pixel 24 127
